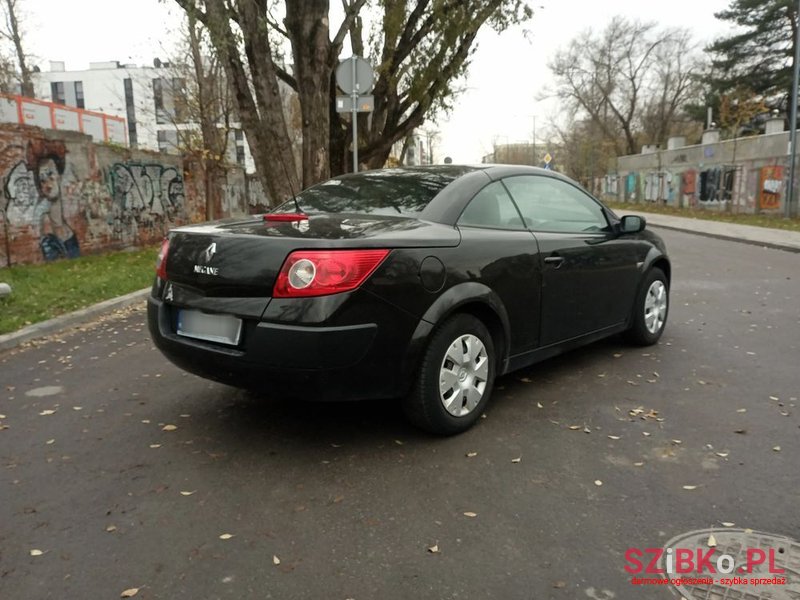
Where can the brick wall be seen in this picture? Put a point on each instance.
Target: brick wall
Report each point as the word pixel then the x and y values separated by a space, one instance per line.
pixel 63 196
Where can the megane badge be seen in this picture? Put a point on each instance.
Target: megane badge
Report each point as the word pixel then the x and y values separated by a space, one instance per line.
pixel 210 251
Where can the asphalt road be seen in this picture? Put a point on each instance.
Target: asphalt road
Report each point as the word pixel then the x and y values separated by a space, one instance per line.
pixel 344 501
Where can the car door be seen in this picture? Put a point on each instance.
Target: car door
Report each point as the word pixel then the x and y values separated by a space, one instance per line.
pixel 497 250
pixel 589 274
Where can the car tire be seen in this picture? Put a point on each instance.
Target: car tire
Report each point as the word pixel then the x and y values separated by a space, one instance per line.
pixel 650 310
pixel 455 379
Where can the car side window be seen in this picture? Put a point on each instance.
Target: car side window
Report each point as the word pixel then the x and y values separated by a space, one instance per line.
pixel 492 207
pixel 549 204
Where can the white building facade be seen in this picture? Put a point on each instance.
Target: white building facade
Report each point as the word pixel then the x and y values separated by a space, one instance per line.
pixel 151 100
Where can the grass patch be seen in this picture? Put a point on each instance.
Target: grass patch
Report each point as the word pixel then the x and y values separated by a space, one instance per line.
pixel 770 221
pixel 43 291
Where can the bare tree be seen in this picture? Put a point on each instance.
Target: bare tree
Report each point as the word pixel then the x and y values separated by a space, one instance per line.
pixel 240 33
pixel 12 31
pixel 675 80
pixel 629 73
pixel 584 152
pixel 420 48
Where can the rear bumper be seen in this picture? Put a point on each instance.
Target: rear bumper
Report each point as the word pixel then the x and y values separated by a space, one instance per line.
pixel 311 362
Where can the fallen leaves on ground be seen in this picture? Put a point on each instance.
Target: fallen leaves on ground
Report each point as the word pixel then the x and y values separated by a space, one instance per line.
pixel 690 487
pixel 472 454
pixel 712 541
pixel 471 515
pixel 516 460
pixel 275 559
pixel 169 428
pixel 187 493
pixel 598 483
pixel 226 536
pixel 433 549
pixel 36 552
pixel 129 593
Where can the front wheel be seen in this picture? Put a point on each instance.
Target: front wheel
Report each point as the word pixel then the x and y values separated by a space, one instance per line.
pixel 455 379
pixel 650 309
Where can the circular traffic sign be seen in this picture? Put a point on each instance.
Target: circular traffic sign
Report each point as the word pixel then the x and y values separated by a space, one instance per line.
pixel 364 75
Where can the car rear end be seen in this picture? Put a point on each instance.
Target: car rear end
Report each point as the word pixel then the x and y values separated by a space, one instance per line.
pixel 283 302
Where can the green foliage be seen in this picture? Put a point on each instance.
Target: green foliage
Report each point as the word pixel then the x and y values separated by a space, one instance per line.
pixel 760 54
pixel 44 291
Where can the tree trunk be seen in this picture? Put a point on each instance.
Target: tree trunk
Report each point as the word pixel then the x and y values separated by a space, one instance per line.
pixel 307 26
pixel 259 105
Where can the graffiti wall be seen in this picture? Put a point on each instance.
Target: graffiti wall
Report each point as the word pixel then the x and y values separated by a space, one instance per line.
pixel 747 175
pixel 63 196
pixel 747 187
pixel 770 188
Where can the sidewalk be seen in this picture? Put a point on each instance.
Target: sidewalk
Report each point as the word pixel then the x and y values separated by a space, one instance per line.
pixel 73 319
pixel 760 236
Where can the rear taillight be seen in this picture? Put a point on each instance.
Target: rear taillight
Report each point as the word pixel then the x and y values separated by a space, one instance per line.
pixel 318 273
pixel 161 262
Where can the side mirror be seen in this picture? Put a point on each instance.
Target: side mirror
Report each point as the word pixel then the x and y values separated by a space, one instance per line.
pixel 632 224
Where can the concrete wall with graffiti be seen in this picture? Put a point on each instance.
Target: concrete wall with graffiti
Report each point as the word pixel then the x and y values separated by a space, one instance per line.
pixel 64 196
pixel 746 175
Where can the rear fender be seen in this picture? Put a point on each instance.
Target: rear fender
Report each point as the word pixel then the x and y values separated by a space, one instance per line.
pixel 470 297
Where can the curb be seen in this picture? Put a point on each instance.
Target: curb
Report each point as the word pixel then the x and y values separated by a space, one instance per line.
pixel 728 238
pixel 745 235
pixel 57 324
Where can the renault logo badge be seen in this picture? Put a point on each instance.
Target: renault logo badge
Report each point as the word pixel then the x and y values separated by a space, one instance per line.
pixel 210 251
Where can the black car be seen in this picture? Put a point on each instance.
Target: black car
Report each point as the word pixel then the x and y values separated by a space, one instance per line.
pixel 421 284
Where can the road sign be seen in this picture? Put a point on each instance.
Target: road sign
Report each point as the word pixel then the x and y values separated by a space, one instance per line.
pixel 355 78
pixel 547 158
pixel 363 104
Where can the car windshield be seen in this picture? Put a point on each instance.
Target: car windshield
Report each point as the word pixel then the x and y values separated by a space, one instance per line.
pixel 385 192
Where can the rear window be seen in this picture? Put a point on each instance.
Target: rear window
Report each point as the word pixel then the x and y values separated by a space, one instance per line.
pixel 384 192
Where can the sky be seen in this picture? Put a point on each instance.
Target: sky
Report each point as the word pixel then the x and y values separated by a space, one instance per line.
pixel 505 89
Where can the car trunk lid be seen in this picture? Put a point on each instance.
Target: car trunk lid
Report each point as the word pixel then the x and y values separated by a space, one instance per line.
pixel 241 258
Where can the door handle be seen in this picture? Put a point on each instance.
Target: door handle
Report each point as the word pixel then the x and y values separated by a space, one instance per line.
pixel 556 261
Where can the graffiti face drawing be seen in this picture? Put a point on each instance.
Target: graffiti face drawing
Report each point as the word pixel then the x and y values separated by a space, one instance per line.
pixel 49 179
pixel 47 161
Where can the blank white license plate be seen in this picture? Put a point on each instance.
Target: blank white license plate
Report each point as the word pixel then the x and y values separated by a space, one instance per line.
pixel 223 329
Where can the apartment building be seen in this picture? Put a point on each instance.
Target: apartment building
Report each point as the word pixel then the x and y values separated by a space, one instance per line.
pixel 152 100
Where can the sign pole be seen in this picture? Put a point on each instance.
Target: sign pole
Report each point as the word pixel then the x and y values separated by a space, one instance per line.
pixel 354 113
pixel 793 126
pixel 354 75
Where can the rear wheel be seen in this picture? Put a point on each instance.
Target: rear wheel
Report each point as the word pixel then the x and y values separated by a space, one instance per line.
pixel 455 379
pixel 650 309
